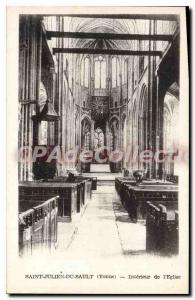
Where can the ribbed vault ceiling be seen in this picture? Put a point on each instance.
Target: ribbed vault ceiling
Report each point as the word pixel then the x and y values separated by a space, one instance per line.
pixel 103 26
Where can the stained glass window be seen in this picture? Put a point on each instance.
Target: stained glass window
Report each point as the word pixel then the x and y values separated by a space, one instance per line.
pixel 98 138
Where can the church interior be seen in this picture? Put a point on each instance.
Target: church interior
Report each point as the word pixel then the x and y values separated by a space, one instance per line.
pixel 98 134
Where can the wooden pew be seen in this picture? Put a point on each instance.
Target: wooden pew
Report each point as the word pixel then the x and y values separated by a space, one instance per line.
pixel 125 187
pixel 93 181
pixel 81 177
pixel 73 195
pixel 35 193
pixel 161 229
pixel 38 227
pixel 84 189
pixel 137 197
pixel 120 184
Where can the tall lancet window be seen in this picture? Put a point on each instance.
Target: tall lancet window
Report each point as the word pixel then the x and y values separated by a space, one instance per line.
pixel 124 71
pixel 100 72
pixel 82 72
pixel 85 72
pixel 115 72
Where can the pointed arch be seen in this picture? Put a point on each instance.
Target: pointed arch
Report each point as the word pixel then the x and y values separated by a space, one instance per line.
pixel 86 133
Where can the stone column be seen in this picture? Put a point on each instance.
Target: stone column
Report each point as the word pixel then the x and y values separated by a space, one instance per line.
pixel 92 76
pixel 161 95
pixel 92 135
pixel 152 100
pixel 107 135
pixel 38 81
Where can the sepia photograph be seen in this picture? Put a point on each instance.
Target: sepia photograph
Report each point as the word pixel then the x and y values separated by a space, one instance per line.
pixel 100 143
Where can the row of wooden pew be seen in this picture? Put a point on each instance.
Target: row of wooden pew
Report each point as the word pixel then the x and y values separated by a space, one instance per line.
pixel 156 203
pixel 42 202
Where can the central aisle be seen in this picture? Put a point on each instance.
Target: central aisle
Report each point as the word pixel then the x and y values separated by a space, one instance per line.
pixel 97 233
pixel 105 248
pixel 104 238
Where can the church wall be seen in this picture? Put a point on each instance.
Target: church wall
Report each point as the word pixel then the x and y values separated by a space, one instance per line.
pixel 61 76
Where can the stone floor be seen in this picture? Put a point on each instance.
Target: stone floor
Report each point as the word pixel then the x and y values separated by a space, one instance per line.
pixel 103 230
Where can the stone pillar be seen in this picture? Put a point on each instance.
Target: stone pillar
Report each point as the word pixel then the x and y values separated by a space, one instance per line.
pixel 152 100
pixel 161 95
pixel 30 50
pixel 92 135
pixel 92 76
pixel 107 135
pixel 38 81
pixel 157 140
pixel 92 86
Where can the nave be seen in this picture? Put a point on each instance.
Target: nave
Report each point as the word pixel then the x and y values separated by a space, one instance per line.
pixel 98 135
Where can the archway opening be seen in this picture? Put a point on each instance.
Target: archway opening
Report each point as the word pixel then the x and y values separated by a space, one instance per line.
pixel 85 134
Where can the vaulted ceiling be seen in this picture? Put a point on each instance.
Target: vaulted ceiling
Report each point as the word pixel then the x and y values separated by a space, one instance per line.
pixel 108 25
pixel 103 26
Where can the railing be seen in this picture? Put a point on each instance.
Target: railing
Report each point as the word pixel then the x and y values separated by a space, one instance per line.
pixel 38 227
